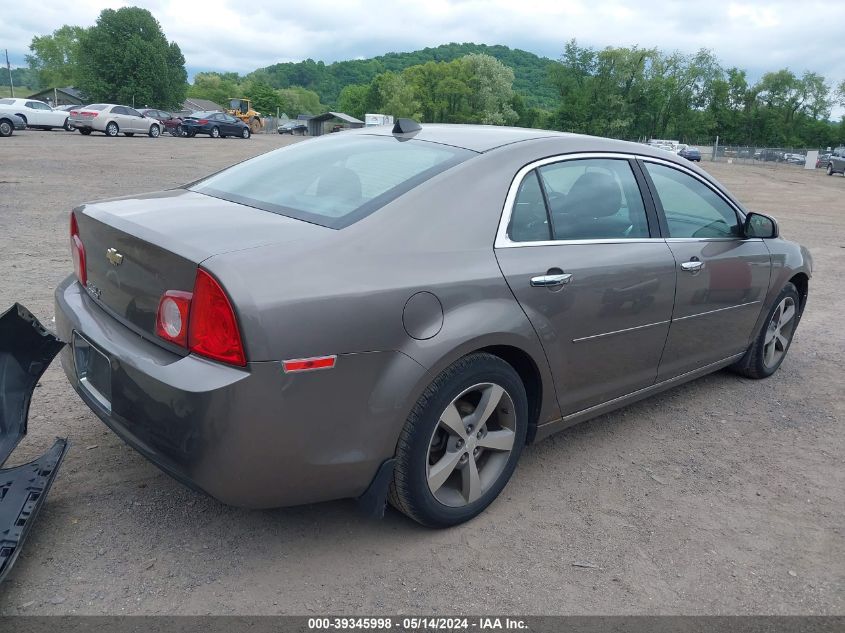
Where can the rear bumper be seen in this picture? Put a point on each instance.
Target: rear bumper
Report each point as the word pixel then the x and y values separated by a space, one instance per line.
pixel 254 436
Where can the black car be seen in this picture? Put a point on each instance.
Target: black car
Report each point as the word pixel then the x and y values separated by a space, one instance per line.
pixel 215 124
pixel 292 127
pixel 691 153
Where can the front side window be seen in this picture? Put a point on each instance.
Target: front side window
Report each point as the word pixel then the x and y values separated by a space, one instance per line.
pixel 132 112
pixel 332 182
pixel 692 209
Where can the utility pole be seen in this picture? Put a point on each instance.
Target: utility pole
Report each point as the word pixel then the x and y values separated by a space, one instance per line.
pixel 9 68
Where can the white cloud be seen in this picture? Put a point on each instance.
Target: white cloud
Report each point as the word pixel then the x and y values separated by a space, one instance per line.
pixel 239 36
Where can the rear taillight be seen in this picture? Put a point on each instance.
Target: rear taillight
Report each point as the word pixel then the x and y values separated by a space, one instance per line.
pixel 203 321
pixel 202 121
pixel 77 251
pixel 172 320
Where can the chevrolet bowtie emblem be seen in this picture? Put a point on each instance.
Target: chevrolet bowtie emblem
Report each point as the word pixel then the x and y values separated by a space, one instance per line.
pixel 115 258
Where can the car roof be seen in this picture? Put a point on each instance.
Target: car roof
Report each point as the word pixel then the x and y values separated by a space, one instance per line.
pixel 484 138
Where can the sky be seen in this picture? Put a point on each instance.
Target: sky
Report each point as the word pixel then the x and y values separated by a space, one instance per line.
pixel 232 35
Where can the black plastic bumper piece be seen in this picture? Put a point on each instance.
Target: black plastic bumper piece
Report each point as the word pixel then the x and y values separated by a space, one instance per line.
pixel 26 350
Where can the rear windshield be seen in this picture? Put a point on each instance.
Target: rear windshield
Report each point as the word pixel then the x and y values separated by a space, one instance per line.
pixel 332 182
pixel 97 106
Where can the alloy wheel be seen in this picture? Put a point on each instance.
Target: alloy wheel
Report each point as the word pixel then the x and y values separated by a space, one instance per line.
pixel 5 128
pixel 471 444
pixel 779 332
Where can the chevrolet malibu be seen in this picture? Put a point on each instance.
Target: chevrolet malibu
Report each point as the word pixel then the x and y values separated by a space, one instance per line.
pixel 396 314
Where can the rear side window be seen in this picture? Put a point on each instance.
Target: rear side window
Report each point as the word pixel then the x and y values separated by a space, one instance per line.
pixel 333 182
pixel 588 199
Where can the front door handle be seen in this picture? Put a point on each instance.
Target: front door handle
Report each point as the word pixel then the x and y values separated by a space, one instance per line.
pixel 693 266
pixel 549 281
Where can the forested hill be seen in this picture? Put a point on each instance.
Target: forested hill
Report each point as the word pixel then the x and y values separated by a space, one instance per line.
pixel 531 72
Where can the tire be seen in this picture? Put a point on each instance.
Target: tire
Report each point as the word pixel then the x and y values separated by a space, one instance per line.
pixel 830 169
pixel 68 126
pixel 463 388
pixel 154 131
pixel 112 129
pixel 191 134
pixel 84 131
pixel 254 125
pixel 245 133
pixel 6 128
pixel 177 131
pixel 215 132
pixel 764 357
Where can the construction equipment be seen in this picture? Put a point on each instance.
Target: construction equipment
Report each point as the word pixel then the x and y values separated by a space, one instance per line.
pixel 242 109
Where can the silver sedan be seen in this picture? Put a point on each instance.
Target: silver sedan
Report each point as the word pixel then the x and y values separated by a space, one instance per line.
pixel 113 120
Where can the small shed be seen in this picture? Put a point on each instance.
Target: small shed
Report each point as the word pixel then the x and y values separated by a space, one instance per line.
pixel 332 122
pixel 200 105
pixel 59 96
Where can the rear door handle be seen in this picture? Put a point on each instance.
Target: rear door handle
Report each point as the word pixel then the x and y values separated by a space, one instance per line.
pixel 692 267
pixel 547 281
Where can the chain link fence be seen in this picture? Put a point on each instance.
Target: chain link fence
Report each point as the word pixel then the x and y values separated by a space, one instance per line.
pixel 786 157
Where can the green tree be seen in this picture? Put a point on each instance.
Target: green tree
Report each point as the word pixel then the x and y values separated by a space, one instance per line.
pixel 55 57
pixel 354 100
pixel 216 87
pixel 126 58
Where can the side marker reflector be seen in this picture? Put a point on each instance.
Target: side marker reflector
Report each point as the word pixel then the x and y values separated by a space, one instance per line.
pixel 308 364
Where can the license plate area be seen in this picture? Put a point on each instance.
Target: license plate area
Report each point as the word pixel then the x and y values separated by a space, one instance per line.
pixel 93 369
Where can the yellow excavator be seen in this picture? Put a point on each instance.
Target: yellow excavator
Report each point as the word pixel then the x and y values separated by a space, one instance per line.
pixel 242 109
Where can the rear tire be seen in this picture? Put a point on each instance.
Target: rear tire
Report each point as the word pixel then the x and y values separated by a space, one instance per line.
pixel 461 442
pixel 84 131
pixel 768 350
pixel 177 131
pixel 254 125
pixel 112 129
pixel 830 169
pixel 68 126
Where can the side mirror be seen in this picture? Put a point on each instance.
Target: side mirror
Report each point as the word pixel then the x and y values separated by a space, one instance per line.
pixel 762 226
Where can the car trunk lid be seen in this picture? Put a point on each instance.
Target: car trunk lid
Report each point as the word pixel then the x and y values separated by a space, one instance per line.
pixel 137 248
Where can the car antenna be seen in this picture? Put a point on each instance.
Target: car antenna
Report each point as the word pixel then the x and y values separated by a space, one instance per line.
pixel 406 126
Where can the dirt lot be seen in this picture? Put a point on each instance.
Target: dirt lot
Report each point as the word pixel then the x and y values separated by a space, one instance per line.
pixel 722 496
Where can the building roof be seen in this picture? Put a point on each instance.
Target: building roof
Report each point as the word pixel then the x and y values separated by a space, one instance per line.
pixel 200 105
pixel 70 92
pixel 336 115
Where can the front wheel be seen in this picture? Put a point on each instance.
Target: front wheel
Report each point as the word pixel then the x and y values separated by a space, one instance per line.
pixel 461 442
pixel 112 129
pixel 154 131
pixel 215 132
pixel 769 349
pixel 830 169
pixel 245 133
pixel 177 131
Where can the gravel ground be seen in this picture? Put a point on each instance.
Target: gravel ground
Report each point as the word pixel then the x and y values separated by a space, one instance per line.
pixel 723 496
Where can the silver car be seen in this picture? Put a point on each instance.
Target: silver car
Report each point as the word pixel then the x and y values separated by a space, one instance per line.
pixel 402 312
pixel 113 120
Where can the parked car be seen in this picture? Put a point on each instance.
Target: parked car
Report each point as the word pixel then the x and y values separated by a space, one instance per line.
pixel 373 324
pixel 836 162
pixel 35 114
pixel 9 123
pixel 170 123
pixel 769 155
pixel 691 153
pixel 823 160
pixel 215 124
pixel 113 120
pixel 293 127
pixel 794 159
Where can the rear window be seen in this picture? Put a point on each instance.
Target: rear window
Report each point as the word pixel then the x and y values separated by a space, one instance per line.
pixel 332 182
pixel 97 106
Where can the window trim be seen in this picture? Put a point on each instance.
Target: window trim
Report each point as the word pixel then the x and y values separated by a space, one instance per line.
pixel 504 241
pixel 650 201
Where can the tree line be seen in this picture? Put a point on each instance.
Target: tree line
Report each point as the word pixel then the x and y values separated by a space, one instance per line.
pixel 623 92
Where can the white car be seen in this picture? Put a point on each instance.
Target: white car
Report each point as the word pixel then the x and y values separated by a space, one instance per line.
pixel 36 114
pixel 112 120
